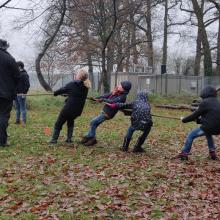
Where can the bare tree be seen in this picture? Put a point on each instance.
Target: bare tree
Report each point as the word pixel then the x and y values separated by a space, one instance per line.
pixel 4 4
pixel 48 42
pixel 217 5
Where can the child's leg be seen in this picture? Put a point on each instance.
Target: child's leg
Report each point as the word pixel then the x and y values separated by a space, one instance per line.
pixel 127 138
pixel 94 124
pixel 141 139
pixel 130 132
pixel 211 147
pixel 197 132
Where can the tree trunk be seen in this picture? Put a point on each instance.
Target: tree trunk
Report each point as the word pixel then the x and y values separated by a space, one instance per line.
pixel 133 41
pixel 47 44
pixel 150 49
pixel 127 61
pixel 207 52
pixel 165 35
pixel 91 75
pixel 218 49
pixel 110 63
pixel 198 53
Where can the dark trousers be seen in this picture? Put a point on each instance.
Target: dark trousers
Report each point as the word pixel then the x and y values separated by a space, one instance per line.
pixel 63 118
pixel 142 138
pixel 5 109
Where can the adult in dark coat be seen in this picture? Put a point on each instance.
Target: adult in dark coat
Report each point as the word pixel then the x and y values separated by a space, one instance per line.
pixel 208 115
pixel 22 89
pixel 140 120
pixel 77 93
pixel 9 75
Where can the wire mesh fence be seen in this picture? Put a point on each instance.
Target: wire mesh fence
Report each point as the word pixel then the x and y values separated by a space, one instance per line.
pixel 165 84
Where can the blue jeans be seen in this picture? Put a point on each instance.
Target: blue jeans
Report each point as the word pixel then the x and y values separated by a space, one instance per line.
pixel 195 133
pixel 131 130
pixel 94 124
pixel 20 104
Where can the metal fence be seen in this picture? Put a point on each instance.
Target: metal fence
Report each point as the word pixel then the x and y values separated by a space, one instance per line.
pixel 167 84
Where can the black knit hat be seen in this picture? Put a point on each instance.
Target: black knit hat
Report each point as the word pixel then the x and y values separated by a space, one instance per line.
pixel 4 44
pixel 126 85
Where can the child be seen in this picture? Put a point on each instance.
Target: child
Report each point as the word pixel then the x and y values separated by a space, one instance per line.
pixel 119 94
pixel 208 115
pixel 140 120
pixel 76 91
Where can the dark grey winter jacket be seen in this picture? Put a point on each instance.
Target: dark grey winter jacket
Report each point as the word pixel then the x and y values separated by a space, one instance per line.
pixel 208 112
pixel 141 111
pixel 109 98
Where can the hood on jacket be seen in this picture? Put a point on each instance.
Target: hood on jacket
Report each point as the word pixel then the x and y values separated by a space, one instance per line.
pixel 208 91
pixel 142 96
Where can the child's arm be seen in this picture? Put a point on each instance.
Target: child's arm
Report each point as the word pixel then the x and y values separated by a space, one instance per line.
pixel 120 106
pixel 105 96
pixel 195 115
pixel 117 99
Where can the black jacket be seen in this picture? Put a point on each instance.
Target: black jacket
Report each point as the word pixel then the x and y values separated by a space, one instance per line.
pixel 77 94
pixel 109 98
pixel 208 112
pixel 9 75
pixel 141 112
pixel 23 83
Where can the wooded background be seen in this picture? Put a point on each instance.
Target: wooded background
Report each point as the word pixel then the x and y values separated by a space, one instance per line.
pixel 115 35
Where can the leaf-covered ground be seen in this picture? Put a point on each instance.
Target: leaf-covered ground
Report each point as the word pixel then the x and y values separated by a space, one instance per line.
pixel 39 181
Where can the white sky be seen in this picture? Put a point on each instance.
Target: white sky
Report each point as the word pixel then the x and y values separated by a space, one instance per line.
pixel 22 43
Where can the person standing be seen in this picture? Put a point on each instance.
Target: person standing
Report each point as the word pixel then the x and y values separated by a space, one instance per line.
pixel 22 89
pixel 9 76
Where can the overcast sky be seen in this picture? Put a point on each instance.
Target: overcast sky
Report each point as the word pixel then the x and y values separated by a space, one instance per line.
pixel 22 42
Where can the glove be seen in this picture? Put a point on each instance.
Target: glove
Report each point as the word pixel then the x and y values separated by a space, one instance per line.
pixel 113 105
pixel 98 100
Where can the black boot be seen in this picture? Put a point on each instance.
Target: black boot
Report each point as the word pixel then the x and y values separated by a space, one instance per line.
pixel 213 155
pixel 137 147
pixel 125 144
pixel 56 134
pixel 69 135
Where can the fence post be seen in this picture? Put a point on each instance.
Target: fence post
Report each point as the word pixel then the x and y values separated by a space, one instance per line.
pixel 166 84
pixel 180 84
pixel 197 86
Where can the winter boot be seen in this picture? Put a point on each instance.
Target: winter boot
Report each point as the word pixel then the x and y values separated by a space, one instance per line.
pixel 182 156
pixel 90 142
pixel 69 135
pixel 56 134
pixel 84 140
pixel 137 147
pixel 212 155
pixel 125 144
